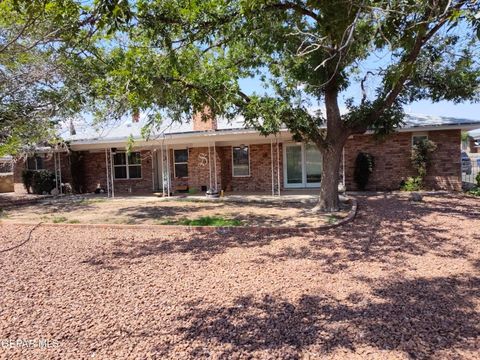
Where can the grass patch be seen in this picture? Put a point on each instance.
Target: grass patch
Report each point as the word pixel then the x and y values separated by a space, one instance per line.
pixel 332 219
pixel 475 192
pixel 85 201
pixel 74 221
pixel 204 221
pixel 59 219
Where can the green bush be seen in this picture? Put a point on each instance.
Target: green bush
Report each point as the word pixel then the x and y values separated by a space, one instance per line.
pixel 27 180
pixel 364 165
pixel 422 156
pixel 474 191
pixel 477 179
pixel 414 183
pixel 421 160
pixel 43 181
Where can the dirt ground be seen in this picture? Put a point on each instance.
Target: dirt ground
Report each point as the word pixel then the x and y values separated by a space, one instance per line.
pixel 402 281
pixel 152 210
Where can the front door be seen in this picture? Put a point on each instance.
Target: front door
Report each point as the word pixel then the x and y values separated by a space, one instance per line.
pixel 302 166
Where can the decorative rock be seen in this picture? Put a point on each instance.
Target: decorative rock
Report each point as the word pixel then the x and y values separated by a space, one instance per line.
pixel 416 197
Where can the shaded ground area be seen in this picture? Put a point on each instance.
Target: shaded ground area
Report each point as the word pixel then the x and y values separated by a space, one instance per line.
pixel 153 210
pixel 401 281
pixel 11 198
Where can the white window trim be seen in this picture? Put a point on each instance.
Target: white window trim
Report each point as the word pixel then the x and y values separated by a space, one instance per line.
pixel 36 163
pixel 233 165
pixel 127 165
pixel 304 184
pixel 418 134
pixel 180 163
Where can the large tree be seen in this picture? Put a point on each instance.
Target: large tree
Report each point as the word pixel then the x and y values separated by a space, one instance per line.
pixel 177 56
pixel 48 57
pixel 174 57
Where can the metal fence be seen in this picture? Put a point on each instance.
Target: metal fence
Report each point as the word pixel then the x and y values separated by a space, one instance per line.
pixel 470 169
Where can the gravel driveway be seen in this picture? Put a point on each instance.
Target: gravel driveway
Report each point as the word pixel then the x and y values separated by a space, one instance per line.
pixel 401 281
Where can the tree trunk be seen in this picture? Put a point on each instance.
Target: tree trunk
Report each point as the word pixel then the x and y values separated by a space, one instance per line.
pixel 328 200
pixel 331 149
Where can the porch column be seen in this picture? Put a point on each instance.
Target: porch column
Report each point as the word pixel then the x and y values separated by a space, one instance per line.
pixel 278 165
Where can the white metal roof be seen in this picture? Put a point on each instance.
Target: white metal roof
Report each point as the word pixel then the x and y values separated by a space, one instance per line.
pixel 120 131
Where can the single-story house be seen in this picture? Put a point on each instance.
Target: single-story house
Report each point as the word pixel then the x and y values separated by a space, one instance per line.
pixel 217 154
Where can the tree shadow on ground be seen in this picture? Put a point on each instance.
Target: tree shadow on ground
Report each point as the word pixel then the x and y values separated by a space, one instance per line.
pixel 200 246
pixel 418 317
pixel 387 229
pixel 239 211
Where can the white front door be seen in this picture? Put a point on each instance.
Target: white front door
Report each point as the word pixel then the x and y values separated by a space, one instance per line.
pixel 302 166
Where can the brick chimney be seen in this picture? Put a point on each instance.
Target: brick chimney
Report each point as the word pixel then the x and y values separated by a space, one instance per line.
pixel 204 120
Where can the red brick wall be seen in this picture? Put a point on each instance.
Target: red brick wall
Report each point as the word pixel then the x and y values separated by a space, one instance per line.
pixel 198 170
pixel 392 165
pixel 48 163
pixel 94 173
pixel 260 178
pixel 392 160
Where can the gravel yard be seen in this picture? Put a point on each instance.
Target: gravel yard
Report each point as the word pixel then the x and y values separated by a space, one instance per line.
pixel 152 210
pixel 400 281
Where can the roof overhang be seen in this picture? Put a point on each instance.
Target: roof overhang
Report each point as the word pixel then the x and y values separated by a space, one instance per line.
pixel 196 139
pixel 226 137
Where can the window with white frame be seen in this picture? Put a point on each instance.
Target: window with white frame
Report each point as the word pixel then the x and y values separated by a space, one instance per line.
pixel 180 167
pixel 6 167
pixel 418 138
pixel 127 166
pixel 35 163
pixel 240 161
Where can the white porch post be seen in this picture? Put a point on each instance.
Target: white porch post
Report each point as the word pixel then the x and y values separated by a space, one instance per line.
pixel 107 174
pixel 169 185
pixel 278 165
pixel 271 165
pixel 215 165
pixel 111 173
pixel 209 169
pixel 60 171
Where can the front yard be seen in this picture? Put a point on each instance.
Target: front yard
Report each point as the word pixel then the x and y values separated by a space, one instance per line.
pixel 400 281
pixel 174 211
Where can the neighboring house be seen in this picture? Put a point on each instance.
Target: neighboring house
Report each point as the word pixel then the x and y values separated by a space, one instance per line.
pixel 6 174
pixel 227 156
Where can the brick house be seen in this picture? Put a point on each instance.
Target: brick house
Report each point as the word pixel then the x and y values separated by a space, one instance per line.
pixel 215 154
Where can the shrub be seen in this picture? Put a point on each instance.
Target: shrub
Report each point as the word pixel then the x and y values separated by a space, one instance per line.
pixel 474 191
pixel 364 164
pixel 421 160
pixel 43 181
pixel 477 179
pixel 414 183
pixel 422 156
pixel 27 180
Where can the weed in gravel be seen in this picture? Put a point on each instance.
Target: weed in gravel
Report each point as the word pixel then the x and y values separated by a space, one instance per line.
pixel 204 221
pixel 475 191
pixel 332 219
pixel 59 219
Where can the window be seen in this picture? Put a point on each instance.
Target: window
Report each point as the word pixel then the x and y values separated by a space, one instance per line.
pixel 416 139
pixel 127 166
pixel 6 167
pixel 35 163
pixel 181 163
pixel 241 161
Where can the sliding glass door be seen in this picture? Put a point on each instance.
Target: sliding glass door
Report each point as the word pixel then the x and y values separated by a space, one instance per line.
pixel 302 166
